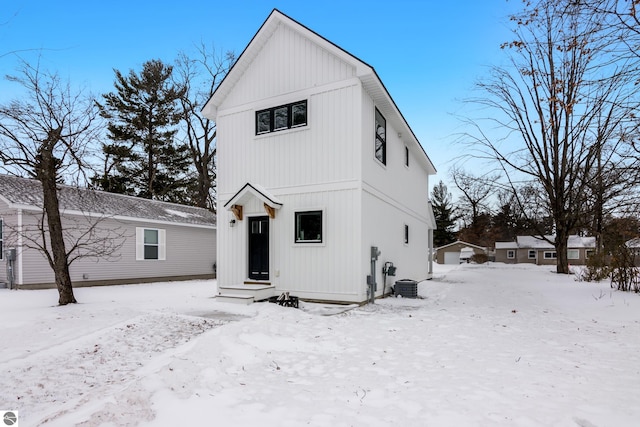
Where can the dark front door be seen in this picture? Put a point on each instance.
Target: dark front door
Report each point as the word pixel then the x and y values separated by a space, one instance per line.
pixel 259 248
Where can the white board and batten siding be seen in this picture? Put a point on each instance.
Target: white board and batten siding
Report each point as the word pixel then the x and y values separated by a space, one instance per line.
pixel 328 164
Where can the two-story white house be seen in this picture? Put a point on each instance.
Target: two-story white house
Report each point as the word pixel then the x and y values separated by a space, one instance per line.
pixel 316 165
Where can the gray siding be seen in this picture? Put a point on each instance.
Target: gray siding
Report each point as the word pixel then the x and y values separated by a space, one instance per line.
pixel 190 252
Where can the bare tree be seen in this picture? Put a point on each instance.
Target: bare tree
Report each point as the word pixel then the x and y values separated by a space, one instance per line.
pixel 44 135
pixel 566 106
pixel 475 205
pixel 200 77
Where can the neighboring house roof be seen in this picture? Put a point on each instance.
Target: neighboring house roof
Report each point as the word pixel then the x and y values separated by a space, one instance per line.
pixel 366 73
pixel 536 242
pixel 633 243
pixel 457 242
pixel 506 245
pixel 22 193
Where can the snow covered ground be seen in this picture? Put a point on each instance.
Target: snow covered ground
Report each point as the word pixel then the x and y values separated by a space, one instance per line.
pixel 487 345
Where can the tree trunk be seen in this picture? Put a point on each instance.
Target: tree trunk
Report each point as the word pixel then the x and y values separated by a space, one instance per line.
pixel 561 244
pixel 46 174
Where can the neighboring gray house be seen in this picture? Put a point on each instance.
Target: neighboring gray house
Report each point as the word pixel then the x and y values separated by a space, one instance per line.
pixel 141 240
pixel 535 250
pixel 457 252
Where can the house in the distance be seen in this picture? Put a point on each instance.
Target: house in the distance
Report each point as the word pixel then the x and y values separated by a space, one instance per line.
pixel 535 250
pixel 321 182
pixel 457 252
pixel 135 240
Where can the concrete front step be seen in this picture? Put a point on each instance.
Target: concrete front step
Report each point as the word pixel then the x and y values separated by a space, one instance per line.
pixel 235 298
pixel 256 292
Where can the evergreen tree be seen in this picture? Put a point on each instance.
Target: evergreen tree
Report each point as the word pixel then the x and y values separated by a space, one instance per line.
pixel 445 215
pixel 143 157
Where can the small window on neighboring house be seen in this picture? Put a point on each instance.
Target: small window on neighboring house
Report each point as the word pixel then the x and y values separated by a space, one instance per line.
pixel 573 254
pixel 150 244
pixel 381 138
pixel 550 255
pixel 406 156
pixel 308 227
pixel 281 117
pixel 589 253
pixel 1 240
pixel 532 254
pixel 511 254
pixel 406 234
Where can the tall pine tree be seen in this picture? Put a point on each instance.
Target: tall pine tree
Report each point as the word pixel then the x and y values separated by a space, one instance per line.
pixel 144 158
pixel 445 215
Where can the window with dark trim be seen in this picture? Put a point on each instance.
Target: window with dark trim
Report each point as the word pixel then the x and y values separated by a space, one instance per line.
pixel 308 227
pixel 381 138
pixel 406 234
pixel 281 117
pixel 406 156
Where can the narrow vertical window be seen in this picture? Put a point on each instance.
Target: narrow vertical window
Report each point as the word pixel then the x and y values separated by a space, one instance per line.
pixel 406 156
pixel 1 240
pixel 381 138
pixel 406 234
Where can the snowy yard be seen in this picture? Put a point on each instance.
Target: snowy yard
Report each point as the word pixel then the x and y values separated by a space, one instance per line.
pixel 490 345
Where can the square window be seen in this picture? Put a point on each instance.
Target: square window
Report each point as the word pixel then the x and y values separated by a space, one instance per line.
pixel 511 254
pixel 532 254
pixel 308 227
pixel 573 254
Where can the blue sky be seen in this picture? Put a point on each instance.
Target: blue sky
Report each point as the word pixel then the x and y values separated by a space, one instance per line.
pixel 428 53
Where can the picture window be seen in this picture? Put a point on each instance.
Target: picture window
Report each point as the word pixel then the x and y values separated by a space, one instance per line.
pixel 308 227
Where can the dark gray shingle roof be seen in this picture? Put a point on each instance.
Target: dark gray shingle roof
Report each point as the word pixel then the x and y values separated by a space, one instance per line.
pixel 25 193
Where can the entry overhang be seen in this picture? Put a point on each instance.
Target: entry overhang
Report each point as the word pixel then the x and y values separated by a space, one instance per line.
pixel 246 193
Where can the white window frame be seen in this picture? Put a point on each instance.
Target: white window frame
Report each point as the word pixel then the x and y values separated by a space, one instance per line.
pixel 511 254
pixel 550 255
pixel 1 239
pixel 530 253
pixel 162 244
pixel 576 253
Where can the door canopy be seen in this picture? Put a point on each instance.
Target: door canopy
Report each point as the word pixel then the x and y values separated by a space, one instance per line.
pixel 246 193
